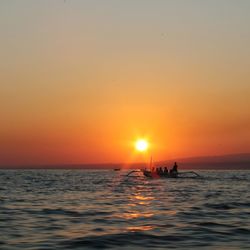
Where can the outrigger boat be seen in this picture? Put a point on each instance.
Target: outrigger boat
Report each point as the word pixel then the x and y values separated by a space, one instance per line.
pixel 158 173
pixel 154 174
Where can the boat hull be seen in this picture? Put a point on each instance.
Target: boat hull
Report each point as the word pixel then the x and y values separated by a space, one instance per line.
pixel 190 174
pixel 151 174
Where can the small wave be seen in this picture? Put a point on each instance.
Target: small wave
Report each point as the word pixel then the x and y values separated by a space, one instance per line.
pixel 75 213
pixel 227 206
pixel 132 239
pixel 221 206
pixel 210 224
pixel 240 231
pixel 60 212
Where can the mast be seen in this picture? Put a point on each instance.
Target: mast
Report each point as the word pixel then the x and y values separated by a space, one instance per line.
pixel 151 163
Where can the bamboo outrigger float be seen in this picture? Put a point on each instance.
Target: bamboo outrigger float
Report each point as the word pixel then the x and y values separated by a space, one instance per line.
pixel 186 174
pixel 153 174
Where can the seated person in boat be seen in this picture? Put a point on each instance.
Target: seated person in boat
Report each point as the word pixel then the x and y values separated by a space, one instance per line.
pixel 165 171
pixel 160 172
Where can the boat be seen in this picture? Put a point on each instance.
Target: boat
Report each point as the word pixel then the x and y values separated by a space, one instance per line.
pixel 152 174
pixel 184 174
pixel 117 169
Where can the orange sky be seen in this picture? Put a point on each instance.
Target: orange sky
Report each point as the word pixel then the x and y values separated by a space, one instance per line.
pixel 81 80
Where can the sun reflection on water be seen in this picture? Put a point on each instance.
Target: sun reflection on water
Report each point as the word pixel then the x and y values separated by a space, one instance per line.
pixel 143 198
pixel 139 228
pixel 134 215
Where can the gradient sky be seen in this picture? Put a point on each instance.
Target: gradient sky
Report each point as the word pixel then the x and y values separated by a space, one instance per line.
pixel 80 80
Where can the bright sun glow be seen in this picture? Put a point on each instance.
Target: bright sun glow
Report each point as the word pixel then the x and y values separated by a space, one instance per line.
pixel 141 145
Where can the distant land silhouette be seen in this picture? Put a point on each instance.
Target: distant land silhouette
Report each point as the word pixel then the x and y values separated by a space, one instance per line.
pixel 223 162
pixel 230 161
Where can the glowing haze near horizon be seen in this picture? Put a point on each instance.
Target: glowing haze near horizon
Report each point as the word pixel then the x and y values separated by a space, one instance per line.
pixel 82 80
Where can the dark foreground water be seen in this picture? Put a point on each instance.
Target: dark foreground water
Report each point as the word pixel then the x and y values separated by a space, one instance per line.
pixel 79 209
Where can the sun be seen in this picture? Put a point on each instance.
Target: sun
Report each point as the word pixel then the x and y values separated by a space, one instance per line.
pixel 141 145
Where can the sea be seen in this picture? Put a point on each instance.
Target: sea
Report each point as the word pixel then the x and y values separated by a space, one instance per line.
pixel 105 209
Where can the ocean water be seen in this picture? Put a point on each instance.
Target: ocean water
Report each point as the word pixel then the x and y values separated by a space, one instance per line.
pixel 82 209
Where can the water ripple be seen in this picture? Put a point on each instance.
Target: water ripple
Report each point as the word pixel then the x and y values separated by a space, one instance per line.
pixel 67 209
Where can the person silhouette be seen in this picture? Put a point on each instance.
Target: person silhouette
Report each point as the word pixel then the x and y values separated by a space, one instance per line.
pixel 175 167
pixel 165 171
pixel 174 170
